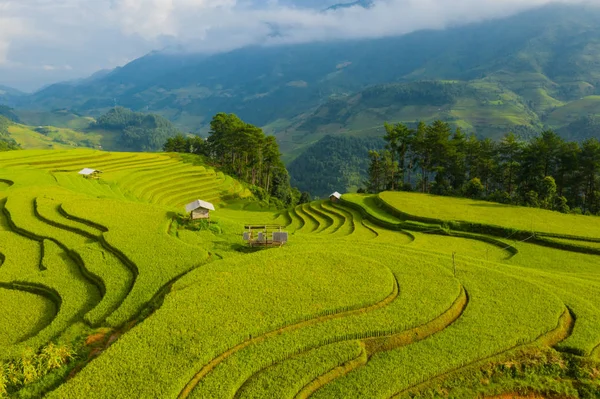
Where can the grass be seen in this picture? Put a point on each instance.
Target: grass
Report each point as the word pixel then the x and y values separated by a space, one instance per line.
pixel 140 251
pixel 447 209
pixel 57 138
pixel 286 379
pixel 203 334
pixel 496 319
pixel 366 299
pixel 24 314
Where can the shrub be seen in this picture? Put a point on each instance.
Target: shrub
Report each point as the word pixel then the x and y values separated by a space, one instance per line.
pixel 474 188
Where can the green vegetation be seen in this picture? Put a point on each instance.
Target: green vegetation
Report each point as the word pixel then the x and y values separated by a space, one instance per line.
pixel 448 210
pixel 375 296
pixel 545 172
pixel 6 142
pixel 334 163
pixel 137 131
pixel 23 315
pixel 244 151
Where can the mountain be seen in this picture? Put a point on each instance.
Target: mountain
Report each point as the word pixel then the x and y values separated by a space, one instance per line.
pixel 5 90
pixel 9 96
pixel 526 72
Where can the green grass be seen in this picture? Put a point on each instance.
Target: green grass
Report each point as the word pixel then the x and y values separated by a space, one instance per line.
pixel 287 378
pixel 365 300
pixel 487 213
pixel 141 250
pixel 507 315
pixel 202 334
pixel 23 315
pixel 58 138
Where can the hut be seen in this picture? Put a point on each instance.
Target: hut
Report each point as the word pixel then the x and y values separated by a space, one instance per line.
pixel 89 173
pixel 266 235
pixel 335 197
pixel 199 209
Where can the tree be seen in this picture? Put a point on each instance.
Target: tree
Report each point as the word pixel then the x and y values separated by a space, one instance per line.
pixel 244 151
pixel 399 139
pixel 590 174
pixel 392 138
pixel 305 198
pixel 457 160
pixel 561 205
pixel 509 153
pixel 374 183
pixel 547 192
pixel 474 188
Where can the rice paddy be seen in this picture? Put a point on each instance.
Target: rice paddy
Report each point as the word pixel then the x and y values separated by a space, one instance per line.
pixel 372 297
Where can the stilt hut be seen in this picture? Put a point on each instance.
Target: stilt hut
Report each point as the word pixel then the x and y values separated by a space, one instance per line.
pixel 89 173
pixel 335 197
pixel 199 209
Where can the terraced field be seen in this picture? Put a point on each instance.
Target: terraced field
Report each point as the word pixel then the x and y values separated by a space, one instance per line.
pixel 384 296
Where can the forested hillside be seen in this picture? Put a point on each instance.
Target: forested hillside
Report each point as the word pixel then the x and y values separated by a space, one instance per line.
pixel 334 163
pixel 529 71
pixel 135 130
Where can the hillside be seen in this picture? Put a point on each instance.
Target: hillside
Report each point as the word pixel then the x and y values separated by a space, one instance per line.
pixel 119 129
pixel 527 71
pixel 334 163
pixel 8 95
pixel 108 289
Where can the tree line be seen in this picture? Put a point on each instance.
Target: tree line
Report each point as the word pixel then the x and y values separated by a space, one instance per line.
pixel 244 151
pixel 545 171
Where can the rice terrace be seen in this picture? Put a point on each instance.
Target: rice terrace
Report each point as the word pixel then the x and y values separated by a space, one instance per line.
pixel 107 290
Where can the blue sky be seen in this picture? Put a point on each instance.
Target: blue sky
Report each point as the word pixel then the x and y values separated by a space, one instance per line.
pixel 45 41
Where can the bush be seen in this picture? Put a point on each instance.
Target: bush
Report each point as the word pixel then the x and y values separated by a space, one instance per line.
pixel 474 188
pixel 561 205
pixel 532 199
pixel 259 193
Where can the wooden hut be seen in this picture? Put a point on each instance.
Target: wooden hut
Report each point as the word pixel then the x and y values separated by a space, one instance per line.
pixel 89 173
pixel 335 197
pixel 199 209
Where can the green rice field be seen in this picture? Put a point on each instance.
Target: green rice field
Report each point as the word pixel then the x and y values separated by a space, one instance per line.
pixel 397 295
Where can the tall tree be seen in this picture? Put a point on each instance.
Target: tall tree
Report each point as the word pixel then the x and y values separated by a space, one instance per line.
pixel 510 151
pixel 590 174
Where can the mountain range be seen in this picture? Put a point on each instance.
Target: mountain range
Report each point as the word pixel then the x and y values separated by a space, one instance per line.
pixel 535 70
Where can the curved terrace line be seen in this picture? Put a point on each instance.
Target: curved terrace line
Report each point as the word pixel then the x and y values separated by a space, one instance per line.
pixel 217 360
pixel 9 183
pixel 393 341
pixel 551 338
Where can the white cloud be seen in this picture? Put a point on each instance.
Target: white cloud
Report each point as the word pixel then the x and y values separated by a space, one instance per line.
pixel 9 29
pixel 76 37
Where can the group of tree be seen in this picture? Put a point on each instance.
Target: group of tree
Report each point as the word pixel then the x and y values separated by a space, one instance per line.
pixel 138 131
pixel 244 151
pixel 6 142
pixel 545 171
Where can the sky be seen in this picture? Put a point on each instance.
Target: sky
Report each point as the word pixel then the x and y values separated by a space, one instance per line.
pixel 46 41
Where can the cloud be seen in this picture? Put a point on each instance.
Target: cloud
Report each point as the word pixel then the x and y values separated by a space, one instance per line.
pixel 9 29
pixel 213 25
pixel 88 35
